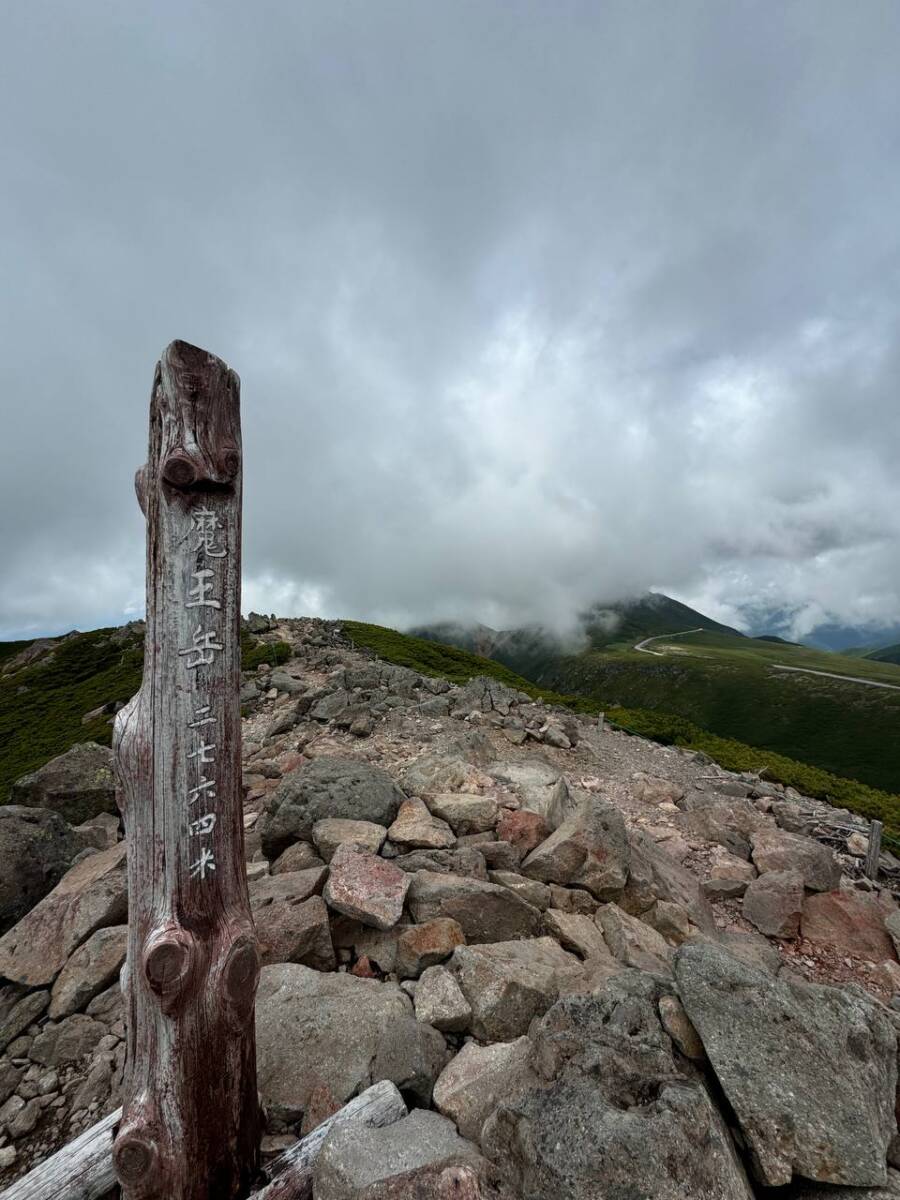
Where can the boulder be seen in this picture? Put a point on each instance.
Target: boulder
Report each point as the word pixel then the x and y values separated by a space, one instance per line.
pixel 809 1071
pixel 507 984
pixel 439 1001
pixel 577 933
pixel 725 821
pixel 522 829
pixel 291 887
pixel 314 1028
pixel 19 1011
pixel 474 1082
pixel 430 774
pixel 773 903
pixel 651 789
pixel 778 850
pixel 416 829
pixel 426 945
pixel 462 860
pixel 78 784
pixel 655 875
pixel 36 849
pixel 614 1115
pixel 366 887
pixel 59 1044
pixel 590 850
pixel 402 1161
pixel 300 856
pixel 295 932
pixel 850 922
pixel 465 813
pixel 332 832
pixel 632 943
pixel 540 786
pixel 484 911
pixel 892 925
pixel 530 890
pixel 728 877
pixel 90 896
pixel 326 787
pixel 92 968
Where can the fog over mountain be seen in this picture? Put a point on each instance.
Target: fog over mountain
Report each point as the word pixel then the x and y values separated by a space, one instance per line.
pixel 533 304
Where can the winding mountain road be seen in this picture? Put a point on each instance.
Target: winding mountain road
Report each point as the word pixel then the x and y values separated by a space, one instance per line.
pixel 642 646
pixel 894 687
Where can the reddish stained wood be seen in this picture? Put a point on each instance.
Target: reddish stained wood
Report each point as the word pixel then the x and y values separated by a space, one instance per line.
pixel 190 1126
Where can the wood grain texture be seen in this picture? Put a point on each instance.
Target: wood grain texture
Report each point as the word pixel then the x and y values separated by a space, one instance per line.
pixel 81 1170
pixel 190 1126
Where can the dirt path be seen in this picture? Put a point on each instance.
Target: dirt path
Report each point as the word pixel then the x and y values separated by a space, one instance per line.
pixel 642 646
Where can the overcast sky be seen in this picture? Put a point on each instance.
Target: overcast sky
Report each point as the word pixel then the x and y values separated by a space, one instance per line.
pixel 533 303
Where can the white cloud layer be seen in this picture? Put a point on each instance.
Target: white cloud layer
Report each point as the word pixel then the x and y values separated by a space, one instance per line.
pixel 533 304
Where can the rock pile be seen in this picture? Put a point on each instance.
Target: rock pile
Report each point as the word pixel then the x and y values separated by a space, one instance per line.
pixel 595 968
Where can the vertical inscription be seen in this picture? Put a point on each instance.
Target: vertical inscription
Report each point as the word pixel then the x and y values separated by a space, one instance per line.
pixel 209 542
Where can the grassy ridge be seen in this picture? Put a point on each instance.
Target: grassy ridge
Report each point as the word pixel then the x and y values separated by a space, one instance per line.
pixel 434 658
pixel 41 705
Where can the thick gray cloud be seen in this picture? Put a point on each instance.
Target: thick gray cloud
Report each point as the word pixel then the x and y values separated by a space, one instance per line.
pixel 532 303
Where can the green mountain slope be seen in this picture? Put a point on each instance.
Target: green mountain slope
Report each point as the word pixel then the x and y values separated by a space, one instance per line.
pixel 433 658
pixel 766 693
pixel 888 654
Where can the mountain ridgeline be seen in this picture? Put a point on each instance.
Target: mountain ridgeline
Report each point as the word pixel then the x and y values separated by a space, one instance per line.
pixel 834 711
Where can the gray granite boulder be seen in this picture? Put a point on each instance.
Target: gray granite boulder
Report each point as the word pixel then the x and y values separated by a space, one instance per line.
pixel 326 787
pixel 810 1071
pixel 78 784
pixel 36 849
pixel 314 1028
pixel 615 1115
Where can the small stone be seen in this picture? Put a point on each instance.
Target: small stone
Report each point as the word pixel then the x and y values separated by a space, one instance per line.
pixel 774 902
pixel 299 857
pixel 465 813
pixel 7 1157
pixel 439 1001
pixel 368 888
pixel 522 829
pixel 332 832
pixel 425 945
pixel 677 1025
pixel 416 829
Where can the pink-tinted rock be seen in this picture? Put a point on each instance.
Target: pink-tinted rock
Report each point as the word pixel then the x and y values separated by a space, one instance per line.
pixel 425 945
pixel 522 829
pixel 851 922
pixel 366 887
pixel 295 932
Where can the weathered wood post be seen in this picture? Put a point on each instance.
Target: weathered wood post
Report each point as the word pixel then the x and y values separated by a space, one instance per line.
pixel 190 1124
pixel 874 849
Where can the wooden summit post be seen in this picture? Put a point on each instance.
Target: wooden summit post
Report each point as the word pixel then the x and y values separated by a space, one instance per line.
pixel 190 1123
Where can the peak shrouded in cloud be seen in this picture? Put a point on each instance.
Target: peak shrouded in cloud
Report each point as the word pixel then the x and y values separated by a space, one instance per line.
pixel 533 305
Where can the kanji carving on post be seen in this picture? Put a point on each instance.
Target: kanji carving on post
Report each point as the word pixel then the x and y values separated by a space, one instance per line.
pixel 190 1124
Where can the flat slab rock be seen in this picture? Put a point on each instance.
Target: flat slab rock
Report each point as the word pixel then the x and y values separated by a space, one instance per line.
pixel 91 895
pixel 366 887
pixel 810 1071
pixel 314 1028
pixel 405 1159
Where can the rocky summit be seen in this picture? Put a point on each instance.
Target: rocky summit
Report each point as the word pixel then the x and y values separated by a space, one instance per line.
pixel 596 968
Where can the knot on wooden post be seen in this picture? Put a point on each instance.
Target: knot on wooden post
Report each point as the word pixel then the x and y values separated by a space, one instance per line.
pixel 240 975
pixel 169 960
pixel 136 1158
